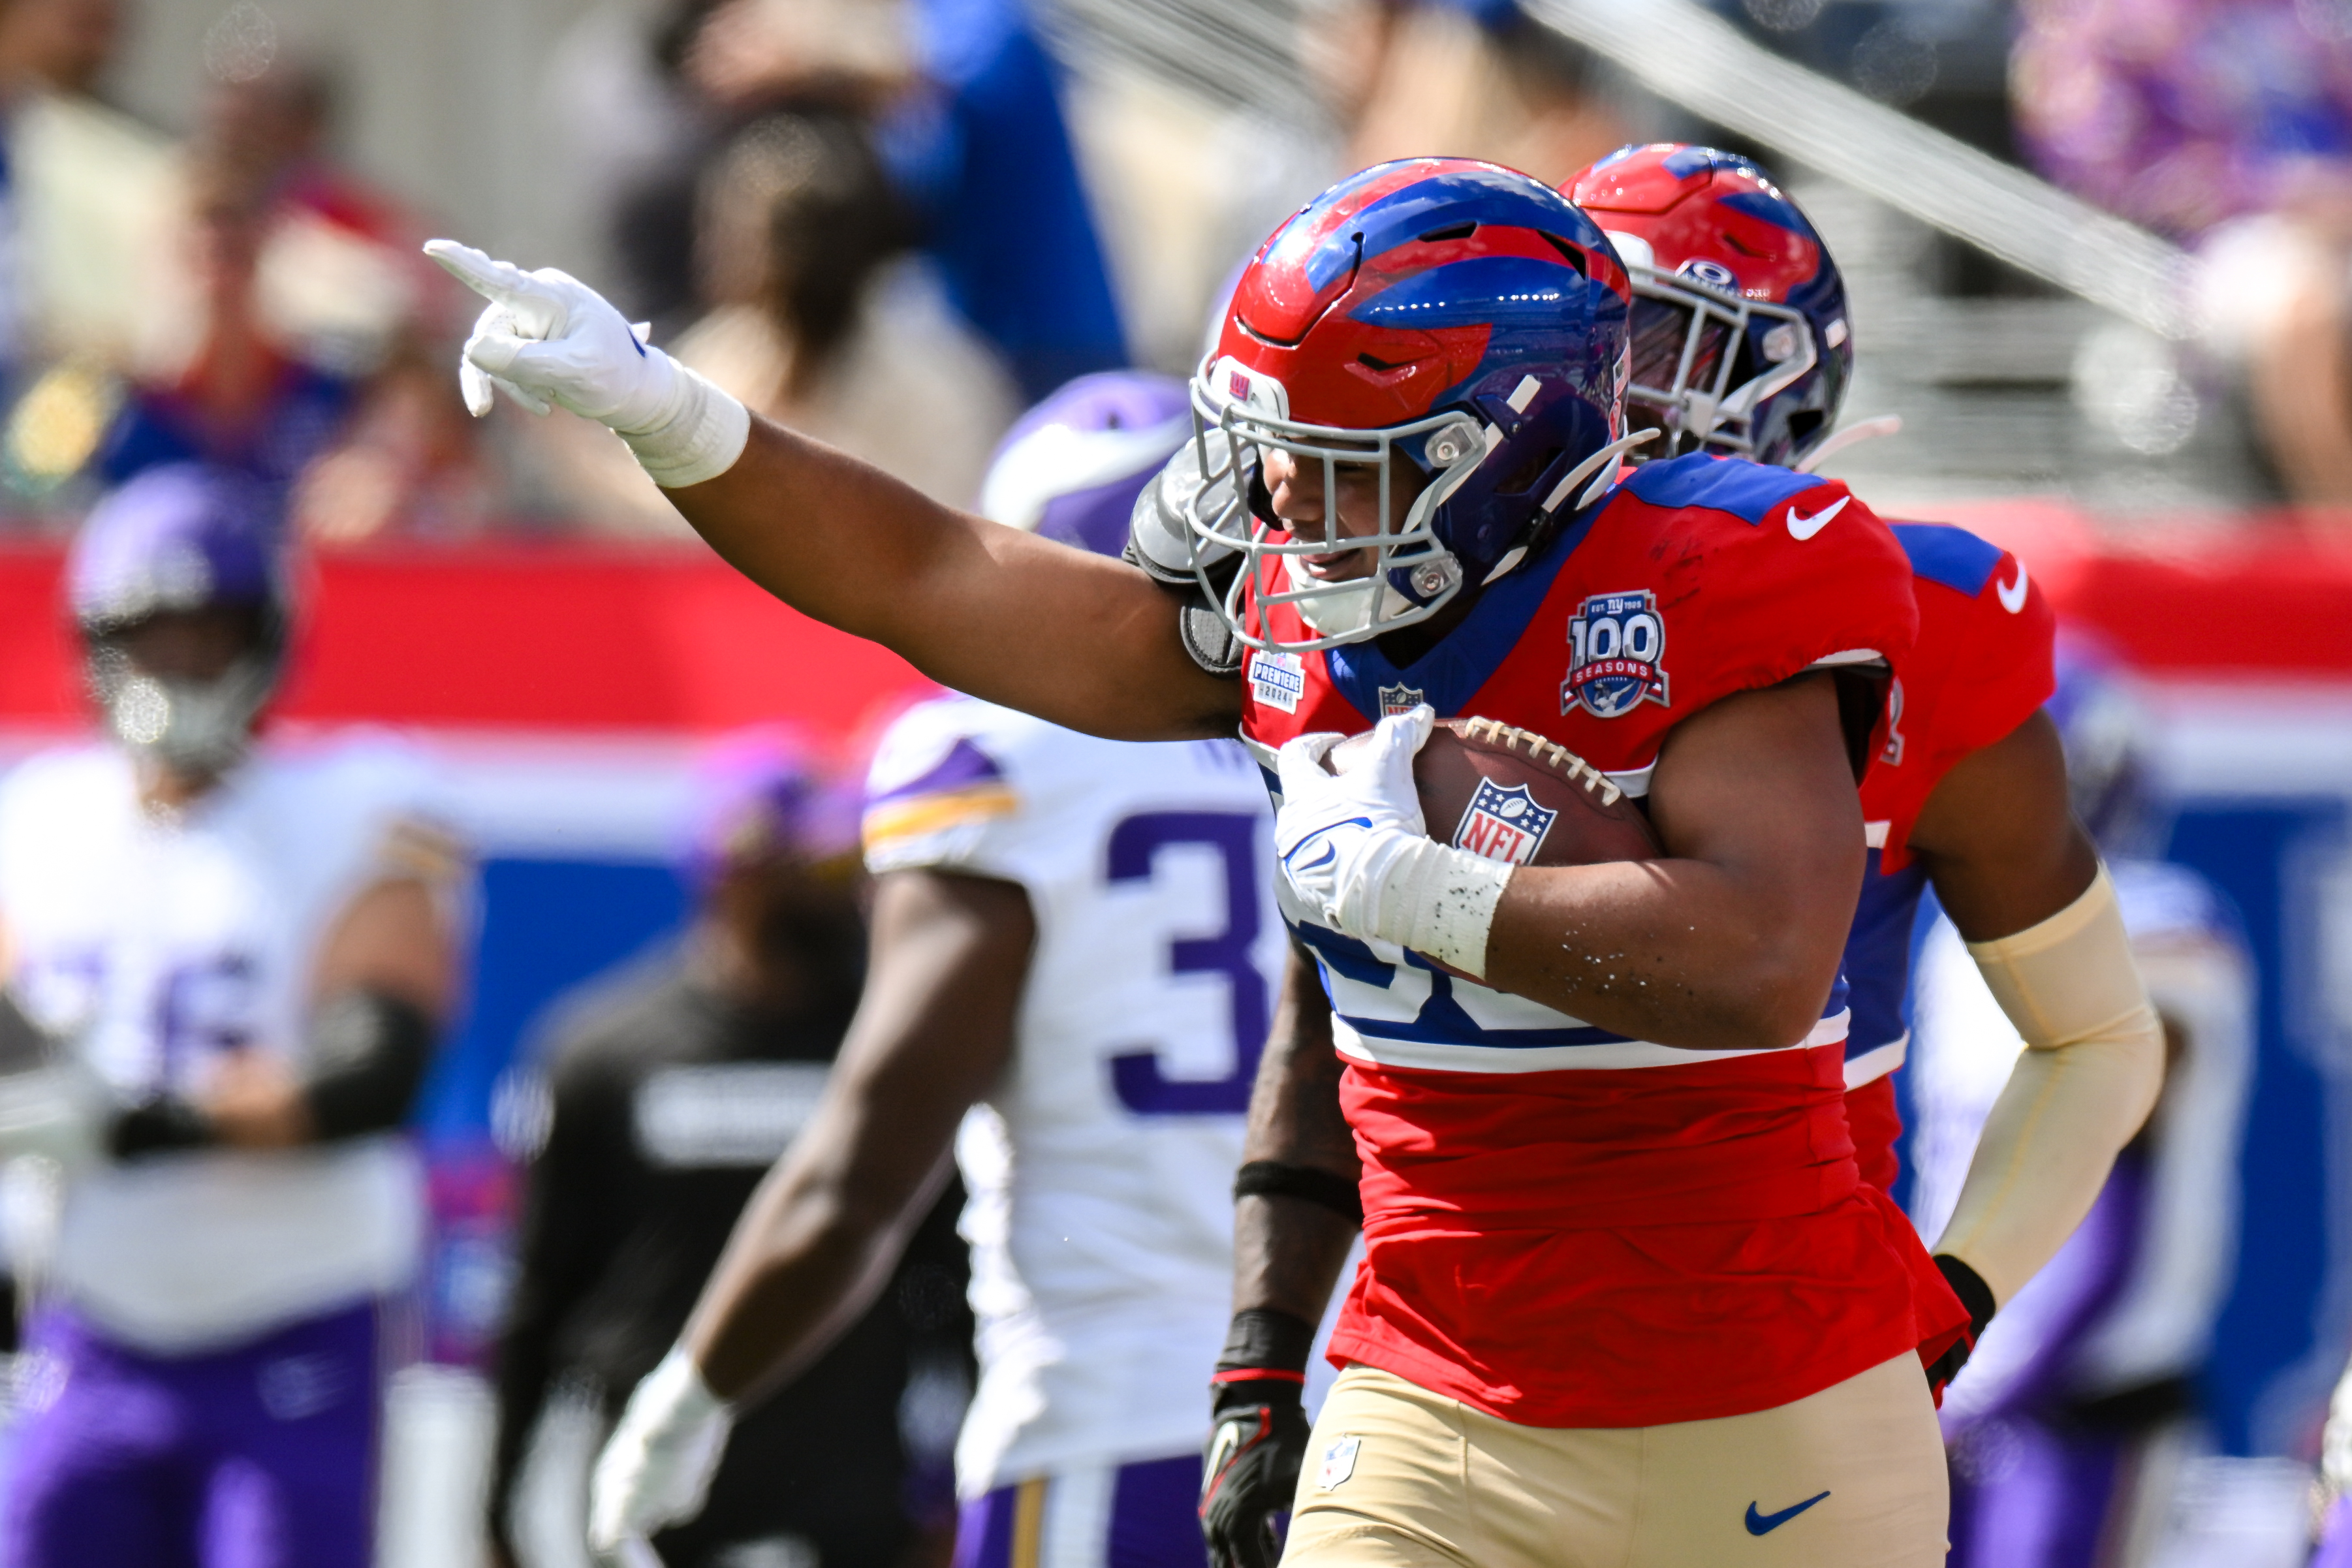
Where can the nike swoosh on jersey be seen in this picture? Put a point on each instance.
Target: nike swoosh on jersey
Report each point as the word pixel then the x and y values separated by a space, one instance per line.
pixel 2012 595
pixel 1765 1523
pixel 1801 527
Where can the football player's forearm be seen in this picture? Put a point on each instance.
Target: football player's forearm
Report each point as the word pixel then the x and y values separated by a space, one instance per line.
pixel 1061 633
pixel 805 1260
pixel 1732 940
pixel 1677 952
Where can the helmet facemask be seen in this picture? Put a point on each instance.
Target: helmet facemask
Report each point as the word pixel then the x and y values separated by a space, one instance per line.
pixel 1237 418
pixel 196 728
pixel 1690 340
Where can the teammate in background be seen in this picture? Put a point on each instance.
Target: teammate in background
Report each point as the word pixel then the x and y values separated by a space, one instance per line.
pixel 252 950
pixel 670 1087
pixel 2069 1426
pixel 1072 940
pixel 1741 345
pixel 1403 488
pixel 2076 1411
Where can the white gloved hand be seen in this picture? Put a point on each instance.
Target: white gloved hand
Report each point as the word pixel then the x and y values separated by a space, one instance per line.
pixel 1356 857
pixel 657 1467
pixel 552 342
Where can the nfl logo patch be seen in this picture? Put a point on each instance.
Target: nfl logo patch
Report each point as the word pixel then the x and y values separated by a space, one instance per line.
pixel 1396 699
pixel 1503 825
pixel 1339 1463
pixel 1616 642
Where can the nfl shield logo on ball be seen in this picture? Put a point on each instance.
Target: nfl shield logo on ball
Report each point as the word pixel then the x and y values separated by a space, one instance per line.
pixel 1339 1463
pixel 1616 643
pixel 1503 825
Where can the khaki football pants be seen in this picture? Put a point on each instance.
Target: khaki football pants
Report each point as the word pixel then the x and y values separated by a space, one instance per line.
pixel 1852 1477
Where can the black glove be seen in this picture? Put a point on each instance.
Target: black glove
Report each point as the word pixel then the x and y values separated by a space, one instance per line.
pixel 1976 1297
pixel 1259 1438
pixel 156 1126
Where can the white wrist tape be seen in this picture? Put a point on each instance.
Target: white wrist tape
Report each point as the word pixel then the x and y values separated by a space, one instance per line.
pixel 1440 902
pixel 2081 1091
pixel 698 433
pixel 674 1395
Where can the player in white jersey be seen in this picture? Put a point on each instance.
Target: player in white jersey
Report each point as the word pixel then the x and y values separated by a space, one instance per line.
pixel 243 958
pixel 1074 938
pixel 2067 1425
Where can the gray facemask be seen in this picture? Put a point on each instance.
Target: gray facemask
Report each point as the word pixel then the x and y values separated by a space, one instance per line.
pixel 197 727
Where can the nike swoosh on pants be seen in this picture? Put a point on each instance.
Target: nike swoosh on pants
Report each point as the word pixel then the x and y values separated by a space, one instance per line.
pixel 1765 1523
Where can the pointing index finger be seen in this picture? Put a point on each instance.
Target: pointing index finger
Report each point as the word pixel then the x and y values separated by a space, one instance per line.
pixel 502 281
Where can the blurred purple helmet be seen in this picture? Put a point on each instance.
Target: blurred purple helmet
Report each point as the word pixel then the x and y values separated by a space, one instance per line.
pixel 1071 468
pixel 180 537
pixel 759 794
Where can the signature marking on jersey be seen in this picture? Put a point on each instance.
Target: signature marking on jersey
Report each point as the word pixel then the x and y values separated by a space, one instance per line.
pixel 2012 595
pixel 1765 1523
pixel 1802 528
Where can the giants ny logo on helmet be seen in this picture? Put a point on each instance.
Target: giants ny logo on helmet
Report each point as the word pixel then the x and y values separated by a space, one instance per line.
pixel 1503 825
pixel 1616 644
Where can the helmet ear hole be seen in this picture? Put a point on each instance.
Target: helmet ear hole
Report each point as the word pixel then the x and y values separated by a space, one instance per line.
pixel 1524 477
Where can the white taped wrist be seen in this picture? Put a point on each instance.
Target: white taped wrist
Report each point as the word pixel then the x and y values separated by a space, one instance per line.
pixel 1440 902
pixel 699 434
pixel 674 1396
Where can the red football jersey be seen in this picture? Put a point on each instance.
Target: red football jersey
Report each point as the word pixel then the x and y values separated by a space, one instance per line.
pixel 1565 1227
pixel 1982 665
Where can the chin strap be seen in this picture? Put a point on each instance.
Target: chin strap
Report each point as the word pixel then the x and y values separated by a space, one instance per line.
pixel 1852 435
pixel 1605 461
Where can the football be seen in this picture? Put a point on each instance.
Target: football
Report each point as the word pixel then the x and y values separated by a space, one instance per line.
pixel 1510 795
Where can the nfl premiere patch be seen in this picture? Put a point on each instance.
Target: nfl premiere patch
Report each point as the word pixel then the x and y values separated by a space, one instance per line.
pixel 1278 679
pixel 1616 646
pixel 1503 825
pixel 1339 1463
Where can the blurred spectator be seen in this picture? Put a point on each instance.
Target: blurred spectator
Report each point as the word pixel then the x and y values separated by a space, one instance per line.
pixel 668 1090
pixel 821 320
pixel 2226 125
pixel 246 953
pixel 219 382
pixel 410 463
pixel 963 101
pixel 338 275
pixel 1473 79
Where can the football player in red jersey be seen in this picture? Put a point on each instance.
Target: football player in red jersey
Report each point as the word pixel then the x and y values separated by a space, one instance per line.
pixel 1627 1295
pixel 1741 344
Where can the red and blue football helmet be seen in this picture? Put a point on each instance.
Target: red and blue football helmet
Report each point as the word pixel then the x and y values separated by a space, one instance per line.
pixel 1739 337
pixel 1457 315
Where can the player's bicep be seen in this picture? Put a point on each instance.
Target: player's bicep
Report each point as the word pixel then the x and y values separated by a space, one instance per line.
pixel 1998 839
pixel 1758 786
pixel 950 956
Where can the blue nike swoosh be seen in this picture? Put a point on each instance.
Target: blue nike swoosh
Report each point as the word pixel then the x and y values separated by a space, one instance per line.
pixel 1765 1523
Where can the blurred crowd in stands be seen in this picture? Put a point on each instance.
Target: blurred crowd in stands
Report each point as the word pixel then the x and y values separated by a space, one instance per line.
pixel 894 223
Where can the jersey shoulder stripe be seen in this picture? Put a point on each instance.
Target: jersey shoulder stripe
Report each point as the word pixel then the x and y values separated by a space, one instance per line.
pixel 1746 491
pixel 1952 556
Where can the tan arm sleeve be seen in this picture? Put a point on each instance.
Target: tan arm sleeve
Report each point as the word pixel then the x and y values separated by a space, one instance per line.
pixel 2081 1091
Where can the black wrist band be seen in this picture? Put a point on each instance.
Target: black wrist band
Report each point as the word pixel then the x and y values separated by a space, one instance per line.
pixel 1273 1179
pixel 1263 1337
pixel 1969 1287
pixel 158 1125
